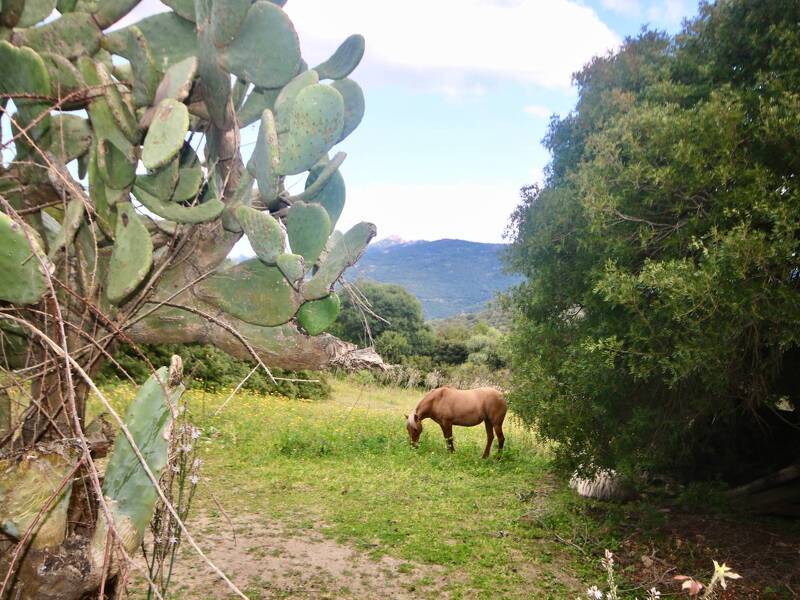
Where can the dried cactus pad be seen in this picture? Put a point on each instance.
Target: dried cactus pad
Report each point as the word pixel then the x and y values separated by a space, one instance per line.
pixel 126 484
pixel 165 137
pixel 22 278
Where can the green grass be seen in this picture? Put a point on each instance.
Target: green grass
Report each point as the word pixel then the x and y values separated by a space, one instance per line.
pixel 347 463
pixel 506 527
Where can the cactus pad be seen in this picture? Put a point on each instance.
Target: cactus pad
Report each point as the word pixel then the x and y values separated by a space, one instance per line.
pixel 226 17
pixel 315 125
pixel 172 211
pixel 263 231
pixel 253 292
pixel 73 35
pixel 22 71
pixel 344 60
pixel 264 161
pixel 325 186
pixel 22 280
pixel 183 8
pixel 177 81
pixel 131 43
pixel 317 315
pixel 284 101
pixel 35 11
pixel 344 253
pixel 354 105
pixel 170 38
pixel 70 137
pixel 308 226
pixel 131 257
pixel 165 137
pixel 255 104
pixel 266 50
pixel 116 170
pixel 292 266
pixel 161 183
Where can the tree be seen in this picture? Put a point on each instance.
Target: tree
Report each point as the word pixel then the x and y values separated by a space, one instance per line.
pixel 116 227
pixel 397 311
pixel 658 326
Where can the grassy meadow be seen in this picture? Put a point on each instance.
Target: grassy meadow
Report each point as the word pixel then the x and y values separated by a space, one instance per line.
pixel 456 525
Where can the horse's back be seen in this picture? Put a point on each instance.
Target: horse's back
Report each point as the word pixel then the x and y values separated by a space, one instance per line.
pixel 489 402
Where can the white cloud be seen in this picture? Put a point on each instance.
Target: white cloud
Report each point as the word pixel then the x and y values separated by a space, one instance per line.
pixel 532 41
pixel 475 212
pixel 626 7
pixel 439 44
pixel 536 110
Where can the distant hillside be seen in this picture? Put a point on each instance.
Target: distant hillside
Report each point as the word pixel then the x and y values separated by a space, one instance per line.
pixel 450 277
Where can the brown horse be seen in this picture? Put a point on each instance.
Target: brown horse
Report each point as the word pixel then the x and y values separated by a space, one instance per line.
pixel 467 408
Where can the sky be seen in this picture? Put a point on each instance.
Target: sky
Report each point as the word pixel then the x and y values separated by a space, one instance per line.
pixel 459 94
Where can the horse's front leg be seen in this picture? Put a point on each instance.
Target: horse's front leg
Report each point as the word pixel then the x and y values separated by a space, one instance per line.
pixel 447 431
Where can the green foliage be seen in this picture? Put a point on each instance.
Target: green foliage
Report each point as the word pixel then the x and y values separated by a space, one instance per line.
pixel 659 322
pixel 210 369
pixel 399 310
pixel 459 354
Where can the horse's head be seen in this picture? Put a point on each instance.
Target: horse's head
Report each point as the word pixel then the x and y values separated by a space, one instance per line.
pixel 414 427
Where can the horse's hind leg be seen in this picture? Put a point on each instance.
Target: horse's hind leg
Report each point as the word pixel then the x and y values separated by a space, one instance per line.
pixel 489 438
pixel 501 439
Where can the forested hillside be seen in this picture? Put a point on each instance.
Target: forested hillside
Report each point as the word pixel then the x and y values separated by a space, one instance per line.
pixel 450 277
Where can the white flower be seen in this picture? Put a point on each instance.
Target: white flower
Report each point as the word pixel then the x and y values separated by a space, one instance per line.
pixel 194 479
pixel 723 572
pixel 196 433
pixel 175 469
pixel 173 540
pixel 594 594
pixel 653 594
pixel 186 448
pixel 197 462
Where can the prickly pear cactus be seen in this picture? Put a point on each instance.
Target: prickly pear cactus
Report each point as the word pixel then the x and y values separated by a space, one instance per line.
pixel 143 116
pixel 124 187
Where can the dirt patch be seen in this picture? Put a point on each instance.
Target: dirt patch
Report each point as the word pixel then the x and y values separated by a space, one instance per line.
pixel 269 559
pixel 767 555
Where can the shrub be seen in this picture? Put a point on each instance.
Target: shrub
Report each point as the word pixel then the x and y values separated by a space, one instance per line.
pixel 210 369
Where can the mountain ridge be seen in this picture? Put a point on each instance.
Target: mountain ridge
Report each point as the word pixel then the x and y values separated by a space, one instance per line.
pixel 449 276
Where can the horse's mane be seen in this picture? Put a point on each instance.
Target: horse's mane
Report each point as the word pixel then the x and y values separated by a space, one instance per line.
pixel 427 399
